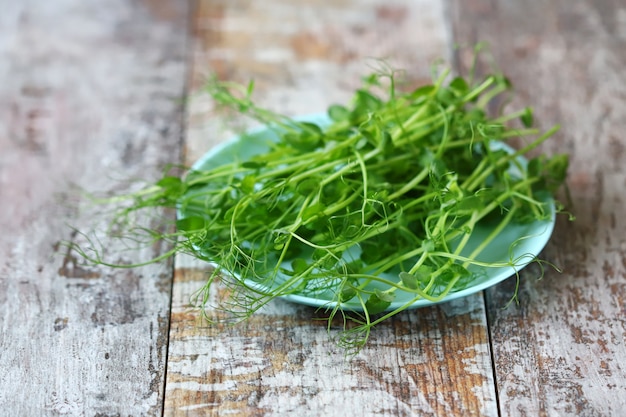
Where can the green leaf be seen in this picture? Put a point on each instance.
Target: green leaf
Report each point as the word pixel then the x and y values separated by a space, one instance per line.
pixel 303 141
pixel 446 95
pixel 378 302
pixel 425 158
pixel 371 79
pixel 422 92
pixel 551 172
pixel 369 136
pixel 387 297
pixel 253 164
pixel 190 224
pixel 438 168
pixel 167 182
pixel 347 293
pixel 470 204
pixel 557 167
pixel 311 128
pixel 173 186
pixel 409 280
pixel 338 113
pixel 308 186
pixel 353 267
pixel 504 81
pixel 428 245
pixel 324 259
pixel 535 167
pixel 318 254
pixel 459 270
pixel 247 184
pixel 299 265
pixel 312 211
pixel 423 274
pixel 279 241
pixel 366 101
pixel 459 85
pixel 527 117
pixel 446 276
pixel 250 89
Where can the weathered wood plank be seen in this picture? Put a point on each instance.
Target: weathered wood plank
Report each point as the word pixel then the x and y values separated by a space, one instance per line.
pixel 562 350
pixel 281 362
pixel 436 361
pixel 90 95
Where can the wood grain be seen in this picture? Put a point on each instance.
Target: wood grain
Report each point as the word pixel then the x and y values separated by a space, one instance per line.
pixel 561 351
pixel 282 362
pixel 305 56
pixel 91 95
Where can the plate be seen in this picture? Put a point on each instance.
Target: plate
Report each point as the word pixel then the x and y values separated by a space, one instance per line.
pixel 506 246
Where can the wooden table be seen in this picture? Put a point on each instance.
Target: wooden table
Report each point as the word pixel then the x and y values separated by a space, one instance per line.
pixel 94 93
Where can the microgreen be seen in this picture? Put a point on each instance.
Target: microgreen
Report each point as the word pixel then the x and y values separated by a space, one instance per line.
pixel 380 197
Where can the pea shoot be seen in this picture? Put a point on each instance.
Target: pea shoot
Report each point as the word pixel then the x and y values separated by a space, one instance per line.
pixel 374 198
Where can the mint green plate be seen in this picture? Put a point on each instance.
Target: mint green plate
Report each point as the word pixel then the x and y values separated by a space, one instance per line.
pixel 522 242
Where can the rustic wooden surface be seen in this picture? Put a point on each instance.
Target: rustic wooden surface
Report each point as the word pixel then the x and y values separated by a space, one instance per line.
pixel 562 350
pixel 92 94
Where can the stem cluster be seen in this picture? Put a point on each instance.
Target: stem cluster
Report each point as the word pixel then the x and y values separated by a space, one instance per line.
pixel 376 198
